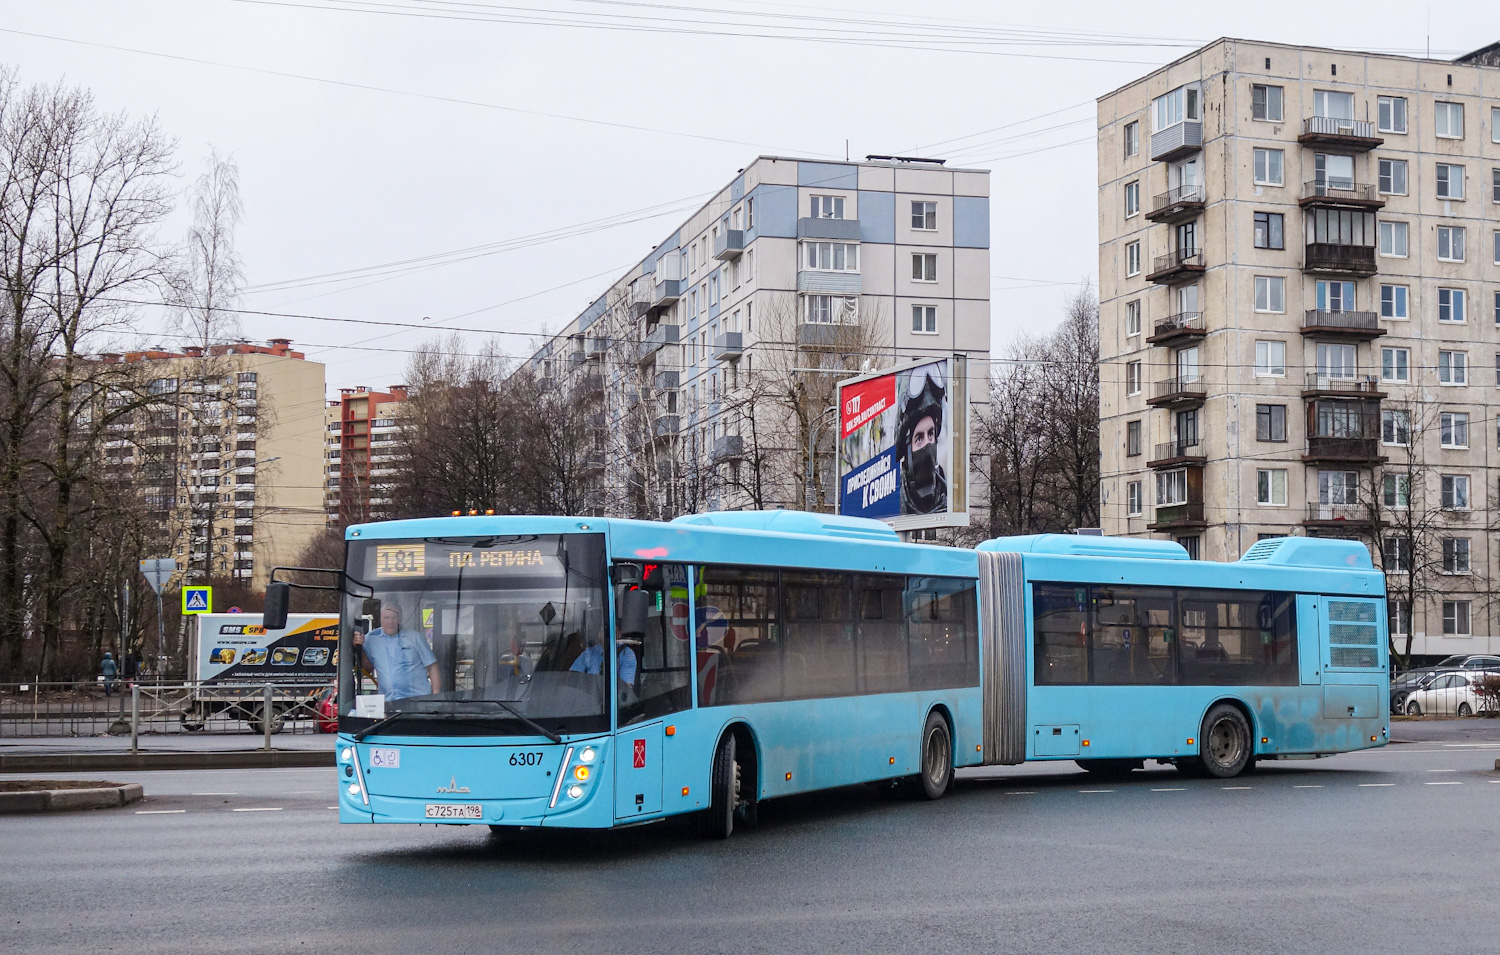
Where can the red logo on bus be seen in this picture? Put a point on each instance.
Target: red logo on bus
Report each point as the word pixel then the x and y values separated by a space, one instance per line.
pixel 640 754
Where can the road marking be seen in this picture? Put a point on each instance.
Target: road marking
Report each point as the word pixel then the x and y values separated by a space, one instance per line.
pixel 1178 790
pixel 158 812
pixel 1472 745
pixel 1295 786
pixel 1030 793
pixel 1442 770
pixel 1096 790
pixel 215 794
pixel 259 809
pixel 1236 787
pixel 333 807
pixel 1453 782
pixel 1374 785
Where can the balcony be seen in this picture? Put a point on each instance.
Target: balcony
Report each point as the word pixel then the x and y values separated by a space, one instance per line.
pixel 1351 134
pixel 728 346
pixel 1361 326
pixel 822 336
pixel 1352 516
pixel 729 447
pixel 667 291
pixel 595 346
pixel 1173 328
pixel 664 425
pixel 845 229
pixel 667 380
pixel 589 387
pixel 1340 192
pixel 729 244
pixel 1322 450
pixel 1177 453
pixel 1343 259
pixel 1175 516
pixel 1325 386
pixel 1179 266
pixel 1178 205
pixel 1176 141
pixel 1179 392
pixel 659 337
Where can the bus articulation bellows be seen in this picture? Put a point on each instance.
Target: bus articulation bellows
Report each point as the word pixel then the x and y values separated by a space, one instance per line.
pixel 585 672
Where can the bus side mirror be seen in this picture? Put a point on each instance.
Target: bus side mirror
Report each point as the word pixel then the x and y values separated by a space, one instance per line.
pixel 278 599
pixel 635 609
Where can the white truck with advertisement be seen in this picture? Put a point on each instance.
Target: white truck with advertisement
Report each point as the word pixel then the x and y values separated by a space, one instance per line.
pixel 234 658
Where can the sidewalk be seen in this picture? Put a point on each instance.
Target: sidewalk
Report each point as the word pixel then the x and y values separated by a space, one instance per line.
pixel 42 754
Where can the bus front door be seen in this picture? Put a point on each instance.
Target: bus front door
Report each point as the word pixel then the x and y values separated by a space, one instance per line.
pixel 1309 641
pixel 638 771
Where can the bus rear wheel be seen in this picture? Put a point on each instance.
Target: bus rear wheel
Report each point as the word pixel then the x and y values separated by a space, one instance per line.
pixel 1224 748
pixel 723 793
pixel 937 761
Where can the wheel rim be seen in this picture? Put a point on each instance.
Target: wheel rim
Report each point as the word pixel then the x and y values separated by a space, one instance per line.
pixel 937 757
pixel 1224 742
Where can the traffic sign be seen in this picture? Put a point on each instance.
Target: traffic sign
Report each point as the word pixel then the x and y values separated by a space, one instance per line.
pixel 197 600
pixel 157 572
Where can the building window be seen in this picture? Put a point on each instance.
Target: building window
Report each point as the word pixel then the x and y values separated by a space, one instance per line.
pixel 1270 487
pixel 1453 367
pixel 1391 114
pixel 750 213
pixel 1395 427
pixel 924 267
pixel 1132 138
pixel 1399 616
pixel 1393 177
pixel 1495 124
pixel 1133 317
pixel 1133 505
pixel 924 319
pixel 1455 492
pixel 924 216
pixel 1450 243
pixel 1336 361
pixel 1455 430
pixel 1132 439
pixel 831 256
pixel 1450 305
pixel 1270 293
pixel 1189 544
pixel 1132 198
pixel 1393 239
pixel 1393 299
pixel 1181 104
pixel 1455 555
pixel 1335 296
pixel 1450 120
pixel 827 207
pixel 1171 487
pixel 1338 487
pixel 1132 377
pixel 1455 618
pixel 1268 163
pixel 832 310
pixel 1132 258
pixel 1395 490
pixel 1396 555
pixel 1270 359
pixel 1497 246
pixel 1270 422
pixel 1333 104
pixel 1450 181
pixel 1395 364
pixel 1269 230
pixel 1265 102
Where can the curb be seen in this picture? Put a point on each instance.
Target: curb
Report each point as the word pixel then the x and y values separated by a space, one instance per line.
pixel 108 762
pixel 69 800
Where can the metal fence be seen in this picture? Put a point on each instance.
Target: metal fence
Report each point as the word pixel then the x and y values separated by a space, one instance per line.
pixel 135 708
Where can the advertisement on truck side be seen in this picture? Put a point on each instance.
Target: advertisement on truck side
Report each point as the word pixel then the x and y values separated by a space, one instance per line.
pixel 236 648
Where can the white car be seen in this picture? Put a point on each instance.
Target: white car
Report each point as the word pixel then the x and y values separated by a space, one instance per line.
pixel 1448 694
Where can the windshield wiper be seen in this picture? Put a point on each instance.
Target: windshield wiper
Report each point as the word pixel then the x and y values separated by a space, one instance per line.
pixel 402 714
pixel 517 714
pixel 418 714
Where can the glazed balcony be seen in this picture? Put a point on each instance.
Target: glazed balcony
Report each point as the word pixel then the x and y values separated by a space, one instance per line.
pixel 1346 134
pixel 1178 205
pixel 1176 141
pixel 1174 328
pixel 1360 326
pixel 1180 266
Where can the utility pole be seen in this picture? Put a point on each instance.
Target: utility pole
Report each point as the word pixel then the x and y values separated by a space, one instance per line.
pixel 813 427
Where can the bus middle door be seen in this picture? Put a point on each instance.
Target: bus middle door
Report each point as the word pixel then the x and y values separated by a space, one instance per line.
pixel 1309 640
pixel 638 771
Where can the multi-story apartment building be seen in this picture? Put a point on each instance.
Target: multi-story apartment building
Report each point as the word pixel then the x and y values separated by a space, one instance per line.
pixel 361 426
pixel 230 458
pixel 791 268
pixel 1260 384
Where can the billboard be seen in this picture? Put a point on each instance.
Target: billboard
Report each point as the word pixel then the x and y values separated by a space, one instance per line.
pixel 236 648
pixel 903 444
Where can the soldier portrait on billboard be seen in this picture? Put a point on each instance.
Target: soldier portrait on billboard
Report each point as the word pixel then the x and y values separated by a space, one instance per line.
pixel 923 401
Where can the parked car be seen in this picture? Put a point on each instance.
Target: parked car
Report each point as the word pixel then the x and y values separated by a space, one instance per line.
pixel 326 703
pixel 1470 661
pixel 1448 694
pixel 1403 683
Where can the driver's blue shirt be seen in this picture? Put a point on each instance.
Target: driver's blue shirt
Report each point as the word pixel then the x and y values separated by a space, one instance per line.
pixel 591 660
pixel 401 661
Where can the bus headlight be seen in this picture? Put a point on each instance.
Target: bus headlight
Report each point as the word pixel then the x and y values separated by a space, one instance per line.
pixel 575 791
pixel 587 755
pixel 581 772
pixel 346 754
pixel 354 789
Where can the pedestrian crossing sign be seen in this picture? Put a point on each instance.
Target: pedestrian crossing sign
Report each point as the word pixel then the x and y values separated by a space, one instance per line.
pixel 197 600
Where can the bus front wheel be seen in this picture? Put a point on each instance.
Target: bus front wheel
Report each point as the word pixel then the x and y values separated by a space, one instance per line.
pixel 937 760
pixel 1224 748
pixel 718 818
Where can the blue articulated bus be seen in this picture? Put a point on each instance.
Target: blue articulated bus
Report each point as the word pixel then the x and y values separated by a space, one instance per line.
pixel 585 672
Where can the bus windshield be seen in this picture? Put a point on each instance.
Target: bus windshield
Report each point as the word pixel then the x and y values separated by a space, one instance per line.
pixel 499 635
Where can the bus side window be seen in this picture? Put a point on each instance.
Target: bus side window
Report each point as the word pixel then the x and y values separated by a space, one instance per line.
pixel 819 634
pixel 1129 635
pixel 738 637
pixel 882 634
pixel 941 614
pixel 1061 614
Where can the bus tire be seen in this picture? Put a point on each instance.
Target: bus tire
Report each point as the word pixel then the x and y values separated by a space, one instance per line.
pixel 1224 747
pixel 1114 768
pixel 718 818
pixel 937 760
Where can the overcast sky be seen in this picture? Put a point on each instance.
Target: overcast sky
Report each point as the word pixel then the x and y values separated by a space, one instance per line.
pixel 376 132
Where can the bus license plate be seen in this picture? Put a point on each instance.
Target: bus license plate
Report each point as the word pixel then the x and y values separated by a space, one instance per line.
pixel 455 811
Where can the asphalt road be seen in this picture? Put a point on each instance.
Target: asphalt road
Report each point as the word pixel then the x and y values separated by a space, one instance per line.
pixel 1381 851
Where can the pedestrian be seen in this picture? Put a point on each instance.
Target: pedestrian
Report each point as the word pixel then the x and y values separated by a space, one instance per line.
pixel 132 666
pixel 110 671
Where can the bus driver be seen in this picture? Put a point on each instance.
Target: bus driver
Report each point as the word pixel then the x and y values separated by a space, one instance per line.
pixel 399 658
